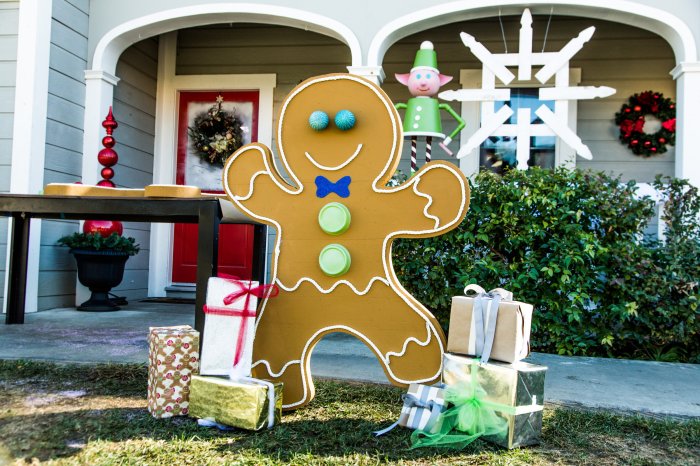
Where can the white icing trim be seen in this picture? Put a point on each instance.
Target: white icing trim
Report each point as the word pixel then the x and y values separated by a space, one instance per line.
pixel 269 368
pixel 390 278
pixel 250 188
pixel 430 202
pixel 360 336
pixel 337 167
pixel 334 286
pixel 405 344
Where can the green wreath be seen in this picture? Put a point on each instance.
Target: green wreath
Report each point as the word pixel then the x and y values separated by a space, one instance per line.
pixel 631 118
pixel 216 134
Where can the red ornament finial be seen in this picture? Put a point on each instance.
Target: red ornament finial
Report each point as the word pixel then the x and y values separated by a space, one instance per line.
pixel 110 124
pixel 108 156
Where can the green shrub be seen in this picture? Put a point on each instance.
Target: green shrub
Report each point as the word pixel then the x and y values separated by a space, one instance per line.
pixel 570 243
pixel 96 242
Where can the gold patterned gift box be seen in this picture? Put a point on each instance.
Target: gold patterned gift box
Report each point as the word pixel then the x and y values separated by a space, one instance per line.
pixel 514 391
pixel 248 404
pixel 173 360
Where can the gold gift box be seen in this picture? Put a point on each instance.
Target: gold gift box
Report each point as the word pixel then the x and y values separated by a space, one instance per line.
pixel 232 403
pixel 518 387
pixel 173 358
pixel 511 341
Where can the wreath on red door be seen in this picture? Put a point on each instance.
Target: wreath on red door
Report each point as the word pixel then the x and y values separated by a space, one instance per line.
pixel 631 119
pixel 216 134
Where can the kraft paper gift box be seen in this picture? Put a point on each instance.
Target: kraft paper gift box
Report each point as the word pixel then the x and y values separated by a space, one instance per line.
pixel 173 360
pixel 468 332
pixel 247 403
pixel 514 391
pixel 229 328
pixel 422 405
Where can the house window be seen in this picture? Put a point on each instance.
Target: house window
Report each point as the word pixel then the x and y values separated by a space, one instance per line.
pixel 498 153
pixel 545 151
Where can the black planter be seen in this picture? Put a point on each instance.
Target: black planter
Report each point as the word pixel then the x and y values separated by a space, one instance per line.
pixel 100 271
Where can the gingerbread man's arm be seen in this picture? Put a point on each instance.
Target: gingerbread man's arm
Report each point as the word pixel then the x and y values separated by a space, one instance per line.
pixel 434 200
pixel 253 184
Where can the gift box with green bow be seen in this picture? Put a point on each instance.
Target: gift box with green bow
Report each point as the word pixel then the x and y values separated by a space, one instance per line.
pixel 502 403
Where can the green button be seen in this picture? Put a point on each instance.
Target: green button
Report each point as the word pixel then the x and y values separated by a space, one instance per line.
pixel 334 218
pixel 334 260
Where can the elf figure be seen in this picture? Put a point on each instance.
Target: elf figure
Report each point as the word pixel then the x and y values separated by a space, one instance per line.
pixel 422 116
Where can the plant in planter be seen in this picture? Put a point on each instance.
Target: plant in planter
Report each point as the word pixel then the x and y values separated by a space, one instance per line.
pixel 101 255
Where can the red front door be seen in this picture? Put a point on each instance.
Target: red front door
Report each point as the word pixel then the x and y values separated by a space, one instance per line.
pixel 195 110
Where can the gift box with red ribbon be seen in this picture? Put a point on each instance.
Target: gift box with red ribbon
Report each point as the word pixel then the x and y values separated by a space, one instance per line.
pixel 229 326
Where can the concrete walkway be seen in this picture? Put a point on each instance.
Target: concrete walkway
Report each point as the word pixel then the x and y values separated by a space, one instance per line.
pixel 66 335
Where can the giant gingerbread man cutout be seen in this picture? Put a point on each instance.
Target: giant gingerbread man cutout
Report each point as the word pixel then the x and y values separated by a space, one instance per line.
pixel 335 221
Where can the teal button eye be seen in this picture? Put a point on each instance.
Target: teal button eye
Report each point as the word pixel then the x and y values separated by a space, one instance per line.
pixel 344 120
pixel 318 120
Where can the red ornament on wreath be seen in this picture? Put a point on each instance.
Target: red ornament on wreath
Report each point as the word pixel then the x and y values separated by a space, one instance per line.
pixel 632 117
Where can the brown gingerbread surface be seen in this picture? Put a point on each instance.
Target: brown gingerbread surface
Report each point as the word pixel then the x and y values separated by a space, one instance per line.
pixel 366 301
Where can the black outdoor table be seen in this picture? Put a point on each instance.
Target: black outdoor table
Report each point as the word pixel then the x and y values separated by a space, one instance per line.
pixel 206 212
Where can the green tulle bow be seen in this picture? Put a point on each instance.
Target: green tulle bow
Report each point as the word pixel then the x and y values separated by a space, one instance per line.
pixel 470 417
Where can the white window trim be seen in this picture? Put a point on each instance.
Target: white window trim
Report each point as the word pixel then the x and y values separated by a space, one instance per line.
pixel 165 150
pixel 471 112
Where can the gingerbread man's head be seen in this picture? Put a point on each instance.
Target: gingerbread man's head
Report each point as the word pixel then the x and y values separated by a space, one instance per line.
pixel 339 125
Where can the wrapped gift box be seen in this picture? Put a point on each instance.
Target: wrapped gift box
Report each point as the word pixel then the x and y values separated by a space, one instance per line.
pixel 511 338
pixel 228 328
pixel 514 391
pixel 244 404
pixel 421 406
pixel 173 360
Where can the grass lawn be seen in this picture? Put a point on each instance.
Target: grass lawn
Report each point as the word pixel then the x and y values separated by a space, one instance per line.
pixel 93 415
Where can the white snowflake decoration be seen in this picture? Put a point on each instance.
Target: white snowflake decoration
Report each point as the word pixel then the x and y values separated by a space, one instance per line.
pixel 553 64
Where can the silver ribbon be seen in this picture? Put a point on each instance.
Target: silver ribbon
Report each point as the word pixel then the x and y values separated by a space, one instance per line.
pixel 412 401
pixel 270 398
pixel 485 315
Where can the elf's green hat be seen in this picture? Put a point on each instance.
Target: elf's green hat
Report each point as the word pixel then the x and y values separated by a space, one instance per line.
pixel 426 58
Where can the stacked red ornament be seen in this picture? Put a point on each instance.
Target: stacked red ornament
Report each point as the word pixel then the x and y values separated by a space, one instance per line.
pixel 107 157
pixel 631 119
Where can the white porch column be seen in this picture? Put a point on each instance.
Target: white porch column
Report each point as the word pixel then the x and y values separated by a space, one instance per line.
pixel 29 128
pixel 687 76
pixel 373 73
pixel 99 92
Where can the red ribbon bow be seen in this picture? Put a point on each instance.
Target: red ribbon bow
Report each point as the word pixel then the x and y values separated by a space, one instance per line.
pixel 246 289
pixel 669 125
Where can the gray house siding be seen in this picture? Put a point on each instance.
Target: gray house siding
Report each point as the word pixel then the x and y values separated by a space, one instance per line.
pixel 134 109
pixel 9 18
pixel 64 142
pixel 628 59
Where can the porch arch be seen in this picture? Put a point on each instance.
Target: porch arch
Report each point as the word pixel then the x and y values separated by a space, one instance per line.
pixel 114 42
pixel 673 29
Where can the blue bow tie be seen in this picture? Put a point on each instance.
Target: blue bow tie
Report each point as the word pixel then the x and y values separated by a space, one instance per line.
pixel 324 186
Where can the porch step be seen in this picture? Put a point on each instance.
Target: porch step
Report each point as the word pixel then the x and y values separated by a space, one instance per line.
pixel 181 291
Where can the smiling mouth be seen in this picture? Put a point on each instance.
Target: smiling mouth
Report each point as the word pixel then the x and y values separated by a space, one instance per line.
pixel 336 167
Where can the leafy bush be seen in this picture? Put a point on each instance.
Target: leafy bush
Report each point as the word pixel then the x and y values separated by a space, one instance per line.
pixel 96 242
pixel 570 243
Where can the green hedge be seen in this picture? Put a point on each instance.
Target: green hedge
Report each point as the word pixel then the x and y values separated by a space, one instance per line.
pixel 570 242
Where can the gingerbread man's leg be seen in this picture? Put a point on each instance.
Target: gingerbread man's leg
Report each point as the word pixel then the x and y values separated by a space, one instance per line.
pixel 405 338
